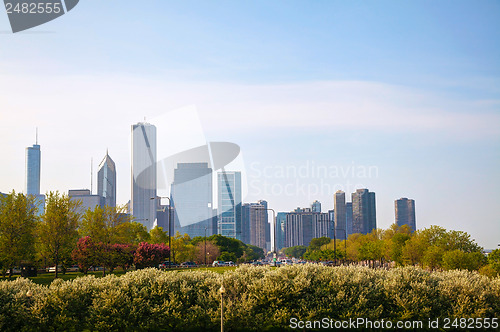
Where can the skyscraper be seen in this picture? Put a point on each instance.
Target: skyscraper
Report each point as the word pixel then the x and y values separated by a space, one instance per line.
pixel 143 208
pixel 280 230
pixel 254 225
pixel 405 213
pixel 106 181
pixel 229 204
pixel 33 163
pixel 339 208
pixel 191 195
pixel 348 214
pixel 316 206
pixel 364 218
pixel 33 174
pixel 303 225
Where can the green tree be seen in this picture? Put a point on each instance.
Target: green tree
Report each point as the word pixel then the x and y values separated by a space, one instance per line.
pixel 494 260
pixel 460 260
pixel 57 232
pixel 17 225
pixel 157 235
pixel 433 257
pixel 133 232
pixel 105 224
pixel 296 251
pixel 317 243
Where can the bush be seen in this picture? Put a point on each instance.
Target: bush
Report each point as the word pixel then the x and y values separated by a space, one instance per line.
pixel 256 298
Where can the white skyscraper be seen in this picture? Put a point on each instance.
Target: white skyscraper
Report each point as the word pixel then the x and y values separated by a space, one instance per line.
pixel 143 208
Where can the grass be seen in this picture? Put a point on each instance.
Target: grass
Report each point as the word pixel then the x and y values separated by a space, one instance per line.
pixel 47 278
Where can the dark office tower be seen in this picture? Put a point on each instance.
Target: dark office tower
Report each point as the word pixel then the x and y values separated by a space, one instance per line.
pixel 106 181
pixel 405 213
pixel 191 196
pixel 229 204
pixel 316 206
pixel 348 214
pixel 339 218
pixel 364 218
pixel 143 207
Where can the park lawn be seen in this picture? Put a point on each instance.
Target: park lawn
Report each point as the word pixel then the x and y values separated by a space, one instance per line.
pixel 47 278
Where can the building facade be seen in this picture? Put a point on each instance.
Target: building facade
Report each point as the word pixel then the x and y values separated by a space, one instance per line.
pixel 229 204
pixel 143 205
pixel 340 218
pixel 316 206
pixel 33 169
pixel 86 199
pixel 191 196
pixel 303 225
pixel 364 218
pixel 106 181
pixel 280 230
pixel 404 209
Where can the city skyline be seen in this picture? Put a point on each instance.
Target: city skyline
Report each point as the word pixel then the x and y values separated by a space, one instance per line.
pixel 407 89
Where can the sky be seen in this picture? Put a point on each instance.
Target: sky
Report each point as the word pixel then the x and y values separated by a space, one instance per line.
pixel 402 98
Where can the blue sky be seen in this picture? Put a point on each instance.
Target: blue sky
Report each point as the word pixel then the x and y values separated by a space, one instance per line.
pixel 411 88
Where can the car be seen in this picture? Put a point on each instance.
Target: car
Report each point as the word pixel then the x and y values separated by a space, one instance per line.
pixel 73 268
pixel 167 264
pixel 230 263
pixel 219 263
pixel 189 264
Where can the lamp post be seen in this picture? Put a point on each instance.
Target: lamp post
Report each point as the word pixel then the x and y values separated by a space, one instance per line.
pixel 169 228
pixel 222 290
pixel 205 246
pixel 274 232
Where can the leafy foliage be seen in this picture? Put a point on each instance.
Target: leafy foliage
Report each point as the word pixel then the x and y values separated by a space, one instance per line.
pixel 150 255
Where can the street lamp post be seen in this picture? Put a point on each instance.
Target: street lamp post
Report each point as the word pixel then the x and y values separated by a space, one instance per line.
pixel 205 246
pixel 169 228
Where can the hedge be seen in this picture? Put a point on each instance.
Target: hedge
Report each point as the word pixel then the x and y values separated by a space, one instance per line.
pixel 256 298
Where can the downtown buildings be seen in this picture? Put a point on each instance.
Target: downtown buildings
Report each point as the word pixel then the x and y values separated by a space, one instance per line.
pixel 33 175
pixel 229 204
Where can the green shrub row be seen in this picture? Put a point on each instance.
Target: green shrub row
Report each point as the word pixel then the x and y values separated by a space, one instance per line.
pixel 256 298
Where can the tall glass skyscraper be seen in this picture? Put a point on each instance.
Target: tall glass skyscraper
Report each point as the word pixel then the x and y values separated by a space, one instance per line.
pixel 364 218
pixel 191 195
pixel 106 181
pixel 229 204
pixel 33 162
pixel 143 208
pixel 405 213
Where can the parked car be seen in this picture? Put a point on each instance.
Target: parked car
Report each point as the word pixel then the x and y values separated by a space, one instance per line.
pixel 230 263
pixel 219 263
pixel 167 264
pixel 73 268
pixel 189 264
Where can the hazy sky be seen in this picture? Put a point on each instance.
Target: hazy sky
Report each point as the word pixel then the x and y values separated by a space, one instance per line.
pixel 400 97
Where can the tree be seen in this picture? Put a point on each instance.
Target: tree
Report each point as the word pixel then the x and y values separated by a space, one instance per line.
pixel 317 243
pixel 494 260
pixel 460 260
pixel 105 224
pixel 182 249
pixel 17 225
pixel 157 235
pixel 433 257
pixel 211 250
pixel 87 253
pixel 296 251
pixel 150 255
pixel 58 230
pixel 133 232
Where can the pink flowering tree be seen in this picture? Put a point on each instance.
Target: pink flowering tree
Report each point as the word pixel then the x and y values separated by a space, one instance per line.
pixel 150 255
pixel 87 253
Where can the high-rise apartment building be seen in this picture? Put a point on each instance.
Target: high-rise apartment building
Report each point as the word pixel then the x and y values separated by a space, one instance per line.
pixel 229 204
pixel 348 215
pixel 339 207
pixel 106 181
pixel 191 195
pixel 303 225
pixel 364 218
pixel 143 201
pixel 405 213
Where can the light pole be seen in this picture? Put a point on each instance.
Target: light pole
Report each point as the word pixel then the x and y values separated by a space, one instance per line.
pixel 274 232
pixel 222 290
pixel 170 208
pixel 205 246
